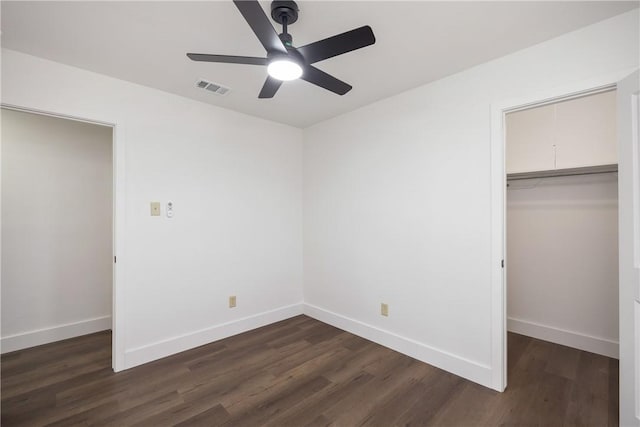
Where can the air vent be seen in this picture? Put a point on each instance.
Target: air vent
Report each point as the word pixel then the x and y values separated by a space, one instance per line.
pixel 212 87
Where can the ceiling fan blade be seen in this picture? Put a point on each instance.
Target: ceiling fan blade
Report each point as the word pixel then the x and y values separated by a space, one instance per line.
pixel 337 45
pixel 324 80
pixel 270 87
pixel 260 24
pixel 228 59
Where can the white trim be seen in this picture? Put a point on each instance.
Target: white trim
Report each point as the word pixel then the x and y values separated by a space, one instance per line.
pixel 154 351
pixel 469 369
pixel 636 345
pixel 565 337
pixel 55 333
pixel 573 95
pixel 498 252
pixel 635 185
pixel 119 234
pixel 56 115
pixel 498 223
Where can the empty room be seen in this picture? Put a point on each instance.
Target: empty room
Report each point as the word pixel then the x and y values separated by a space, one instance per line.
pixel 320 213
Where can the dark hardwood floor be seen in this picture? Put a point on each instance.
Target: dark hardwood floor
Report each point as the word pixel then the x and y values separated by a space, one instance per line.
pixel 300 372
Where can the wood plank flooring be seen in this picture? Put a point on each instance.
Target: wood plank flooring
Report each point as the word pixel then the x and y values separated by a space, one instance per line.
pixel 300 372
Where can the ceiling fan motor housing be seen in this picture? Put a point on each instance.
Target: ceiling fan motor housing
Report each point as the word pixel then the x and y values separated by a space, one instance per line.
pixel 286 39
pixel 292 55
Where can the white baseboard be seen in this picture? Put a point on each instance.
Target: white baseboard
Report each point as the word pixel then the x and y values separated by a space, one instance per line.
pixel 457 365
pixel 55 333
pixel 147 353
pixel 577 340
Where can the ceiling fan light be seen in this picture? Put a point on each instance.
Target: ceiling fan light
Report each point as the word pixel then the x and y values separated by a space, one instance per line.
pixel 284 69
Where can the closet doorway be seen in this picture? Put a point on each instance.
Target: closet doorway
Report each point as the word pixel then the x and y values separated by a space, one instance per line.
pixel 562 235
pixel 57 228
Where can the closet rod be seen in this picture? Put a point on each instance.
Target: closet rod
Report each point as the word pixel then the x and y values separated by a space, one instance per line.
pixel 588 170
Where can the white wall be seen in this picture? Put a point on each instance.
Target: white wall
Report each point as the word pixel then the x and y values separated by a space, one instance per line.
pixel 562 259
pixel 397 200
pixel 56 229
pixel 235 182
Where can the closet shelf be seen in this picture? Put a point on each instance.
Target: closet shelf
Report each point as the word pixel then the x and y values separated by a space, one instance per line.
pixel 587 170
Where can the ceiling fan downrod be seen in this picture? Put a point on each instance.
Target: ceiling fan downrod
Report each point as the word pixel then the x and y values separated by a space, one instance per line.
pixel 285 12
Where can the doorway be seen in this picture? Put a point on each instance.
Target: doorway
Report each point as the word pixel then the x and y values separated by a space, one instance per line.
pixel 562 222
pixel 561 277
pixel 57 228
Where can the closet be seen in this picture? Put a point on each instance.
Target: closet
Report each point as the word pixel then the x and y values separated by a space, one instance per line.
pixel 56 232
pixel 562 223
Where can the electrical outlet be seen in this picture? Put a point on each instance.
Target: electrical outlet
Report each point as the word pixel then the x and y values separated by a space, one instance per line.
pixel 155 208
pixel 232 301
pixel 384 309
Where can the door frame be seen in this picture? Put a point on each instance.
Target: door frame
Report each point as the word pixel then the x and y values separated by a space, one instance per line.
pixel 629 217
pixel 117 244
pixel 498 203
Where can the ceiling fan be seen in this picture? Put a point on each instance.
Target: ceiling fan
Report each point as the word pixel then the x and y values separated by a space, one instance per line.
pixel 284 61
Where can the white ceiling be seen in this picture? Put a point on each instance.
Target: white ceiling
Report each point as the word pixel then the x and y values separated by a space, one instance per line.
pixel 417 42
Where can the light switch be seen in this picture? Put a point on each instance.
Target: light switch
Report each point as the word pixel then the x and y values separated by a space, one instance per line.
pixel 384 309
pixel 169 209
pixel 155 208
